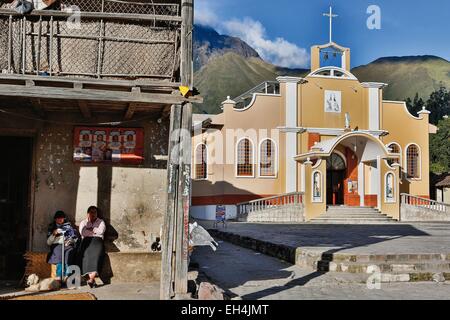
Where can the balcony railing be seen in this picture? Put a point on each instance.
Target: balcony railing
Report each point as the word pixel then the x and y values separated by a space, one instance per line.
pixel 408 199
pixel 268 88
pixel 259 205
pixel 113 40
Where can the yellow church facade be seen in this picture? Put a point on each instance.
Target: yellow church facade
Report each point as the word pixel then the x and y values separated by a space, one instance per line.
pixel 328 137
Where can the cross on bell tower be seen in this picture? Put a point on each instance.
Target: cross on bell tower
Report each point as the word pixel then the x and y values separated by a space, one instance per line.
pixel 331 16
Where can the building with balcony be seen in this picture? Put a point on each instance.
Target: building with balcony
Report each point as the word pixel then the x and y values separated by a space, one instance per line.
pixel 85 94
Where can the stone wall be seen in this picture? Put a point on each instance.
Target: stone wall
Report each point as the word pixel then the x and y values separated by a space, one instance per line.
pixel 410 213
pixel 131 198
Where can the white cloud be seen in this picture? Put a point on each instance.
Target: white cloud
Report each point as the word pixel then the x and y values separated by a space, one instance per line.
pixel 278 51
pixel 204 14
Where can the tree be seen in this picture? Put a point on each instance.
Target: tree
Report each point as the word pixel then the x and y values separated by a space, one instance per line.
pixel 439 105
pixel 440 148
pixel 415 105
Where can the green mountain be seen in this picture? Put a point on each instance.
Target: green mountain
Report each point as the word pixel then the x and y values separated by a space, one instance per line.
pixel 407 76
pixel 231 74
pixel 227 66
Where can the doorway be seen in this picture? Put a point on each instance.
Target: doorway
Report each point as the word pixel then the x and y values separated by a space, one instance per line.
pixel 336 172
pixel 15 174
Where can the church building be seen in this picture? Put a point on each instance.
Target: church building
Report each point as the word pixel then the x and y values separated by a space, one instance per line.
pixel 328 138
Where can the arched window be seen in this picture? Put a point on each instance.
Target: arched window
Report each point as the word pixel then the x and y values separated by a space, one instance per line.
pixel 335 163
pixel 395 148
pixel 389 186
pixel 201 162
pixel 267 158
pixel 413 161
pixel 245 158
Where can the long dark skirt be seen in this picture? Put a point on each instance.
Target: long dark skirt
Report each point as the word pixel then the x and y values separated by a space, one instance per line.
pixel 92 251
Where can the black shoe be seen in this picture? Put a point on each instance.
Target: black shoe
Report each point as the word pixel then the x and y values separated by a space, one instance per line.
pixel 92 284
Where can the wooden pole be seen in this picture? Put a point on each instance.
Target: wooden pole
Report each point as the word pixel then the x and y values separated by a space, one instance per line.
pixel 187 28
pixel 184 185
pixel 176 222
pixel 184 202
pixel 167 239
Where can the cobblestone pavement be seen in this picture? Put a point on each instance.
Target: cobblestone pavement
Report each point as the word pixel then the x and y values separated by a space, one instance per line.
pixel 398 238
pixel 248 275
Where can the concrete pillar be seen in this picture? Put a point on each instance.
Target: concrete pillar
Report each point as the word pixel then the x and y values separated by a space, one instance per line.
pixel 361 183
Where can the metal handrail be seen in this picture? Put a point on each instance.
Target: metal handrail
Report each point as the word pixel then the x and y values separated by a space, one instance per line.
pixel 261 88
pixel 424 203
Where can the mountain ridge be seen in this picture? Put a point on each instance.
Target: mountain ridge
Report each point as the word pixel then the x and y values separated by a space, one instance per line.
pixel 228 66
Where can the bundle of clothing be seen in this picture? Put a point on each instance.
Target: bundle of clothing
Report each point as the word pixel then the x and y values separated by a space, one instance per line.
pixel 26 6
pixel 66 236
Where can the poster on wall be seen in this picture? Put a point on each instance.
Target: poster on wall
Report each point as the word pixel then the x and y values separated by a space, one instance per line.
pixel 333 101
pixel 108 145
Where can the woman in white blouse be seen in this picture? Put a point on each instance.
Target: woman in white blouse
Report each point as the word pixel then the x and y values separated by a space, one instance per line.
pixel 92 231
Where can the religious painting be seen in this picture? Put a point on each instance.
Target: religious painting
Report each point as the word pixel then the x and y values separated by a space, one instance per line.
pixel 333 101
pixel 109 145
pixel 389 185
pixel 317 187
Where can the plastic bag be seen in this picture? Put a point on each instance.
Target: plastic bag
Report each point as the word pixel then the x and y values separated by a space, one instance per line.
pixel 200 237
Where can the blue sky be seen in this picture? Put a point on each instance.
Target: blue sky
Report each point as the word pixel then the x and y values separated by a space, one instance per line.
pixel 282 31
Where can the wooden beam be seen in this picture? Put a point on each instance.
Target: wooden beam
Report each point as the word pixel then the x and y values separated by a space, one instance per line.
pixel 95 15
pixel 8 90
pixel 168 233
pixel 166 112
pixel 132 106
pixel 85 110
pixel 130 111
pixel 143 83
pixel 184 203
pixel 184 184
pixel 35 102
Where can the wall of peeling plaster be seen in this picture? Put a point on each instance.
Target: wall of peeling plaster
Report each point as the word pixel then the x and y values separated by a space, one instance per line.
pixel 131 198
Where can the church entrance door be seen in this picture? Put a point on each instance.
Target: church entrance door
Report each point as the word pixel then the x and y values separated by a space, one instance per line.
pixel 336 171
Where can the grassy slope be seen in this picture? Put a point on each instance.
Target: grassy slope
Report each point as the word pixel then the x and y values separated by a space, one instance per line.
pixel 407 76
pixel 231 75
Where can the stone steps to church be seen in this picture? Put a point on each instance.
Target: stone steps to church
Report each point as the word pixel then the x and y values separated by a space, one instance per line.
pixel 353 221
pixel 353 215
pixel 393 267
pixel 383 258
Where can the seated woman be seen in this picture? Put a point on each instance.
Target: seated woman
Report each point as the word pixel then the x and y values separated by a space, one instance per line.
pixel 61 231
pixel 92 231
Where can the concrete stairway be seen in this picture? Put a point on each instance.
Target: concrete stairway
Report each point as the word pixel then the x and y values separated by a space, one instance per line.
pixel 352 215
pixel 393 268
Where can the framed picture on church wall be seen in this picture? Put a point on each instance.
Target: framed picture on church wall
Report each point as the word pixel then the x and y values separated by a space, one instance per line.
pixel 333 101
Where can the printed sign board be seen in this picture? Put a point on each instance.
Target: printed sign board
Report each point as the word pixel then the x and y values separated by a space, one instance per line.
pixel 108 145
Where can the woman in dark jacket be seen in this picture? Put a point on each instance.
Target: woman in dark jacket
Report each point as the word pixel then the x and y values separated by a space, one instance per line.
pixel 61 231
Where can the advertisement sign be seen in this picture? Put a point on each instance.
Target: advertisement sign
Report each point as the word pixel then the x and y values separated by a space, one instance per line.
pixel 108 145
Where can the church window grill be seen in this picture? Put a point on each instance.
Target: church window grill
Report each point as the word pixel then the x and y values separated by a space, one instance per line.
pixel 267 163
pixel 245 158
pixel 335 163
pixel 413 161
pixel 201 162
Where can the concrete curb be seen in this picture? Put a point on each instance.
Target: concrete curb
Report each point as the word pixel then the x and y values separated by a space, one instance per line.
pixel 393 267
